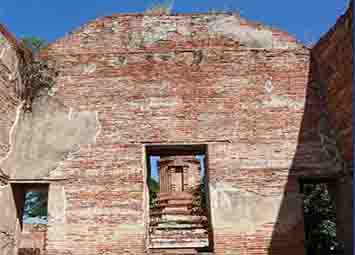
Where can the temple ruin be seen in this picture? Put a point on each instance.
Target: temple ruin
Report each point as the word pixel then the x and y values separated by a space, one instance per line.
pixel 265 111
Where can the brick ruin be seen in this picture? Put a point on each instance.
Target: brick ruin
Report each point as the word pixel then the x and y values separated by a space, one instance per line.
pixel 266 111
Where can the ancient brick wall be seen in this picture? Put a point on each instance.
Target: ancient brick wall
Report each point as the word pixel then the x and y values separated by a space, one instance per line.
pixel 333 63
pixel 238 87
pixel 32 240
pixel 11 55
pixel 10 50
pixel 334 57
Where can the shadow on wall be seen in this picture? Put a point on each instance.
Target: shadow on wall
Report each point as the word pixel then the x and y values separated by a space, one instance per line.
pixel 314 160
pixel 287 237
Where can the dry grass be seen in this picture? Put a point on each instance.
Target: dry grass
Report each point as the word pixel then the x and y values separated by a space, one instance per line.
pixel 163 8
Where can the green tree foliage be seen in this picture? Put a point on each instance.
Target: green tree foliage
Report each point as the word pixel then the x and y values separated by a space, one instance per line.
pixel 203 195
pixel 36 204
pixel 320 221
pixel 33 43
pixel 153 186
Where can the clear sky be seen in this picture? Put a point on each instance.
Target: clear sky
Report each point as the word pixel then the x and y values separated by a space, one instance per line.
pixel 50 19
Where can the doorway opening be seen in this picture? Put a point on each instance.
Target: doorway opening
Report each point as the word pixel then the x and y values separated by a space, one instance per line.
pixel 31 200
pixel 179 212
pixel 319 209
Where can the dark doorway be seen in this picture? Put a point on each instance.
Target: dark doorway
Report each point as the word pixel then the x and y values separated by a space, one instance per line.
pixel 320 218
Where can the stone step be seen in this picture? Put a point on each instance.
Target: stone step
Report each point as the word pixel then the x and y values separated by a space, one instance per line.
pixel 160 224
pixel 177 252
pixel 173 252
pixel 169 203
pixel 171 211
pixel 178 238
pixel 179 232
pixel 180 243
pixel 173 225
pixel 179 219
pixel 175 196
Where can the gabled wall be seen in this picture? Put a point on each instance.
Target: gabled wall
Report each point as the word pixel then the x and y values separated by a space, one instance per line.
pixel 238 87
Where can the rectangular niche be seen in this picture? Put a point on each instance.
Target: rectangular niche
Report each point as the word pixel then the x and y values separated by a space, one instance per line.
pixel 179 208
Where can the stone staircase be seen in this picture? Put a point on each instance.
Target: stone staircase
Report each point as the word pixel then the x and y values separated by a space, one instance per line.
pixel 177 223
pixel 175 234
pixel 173 225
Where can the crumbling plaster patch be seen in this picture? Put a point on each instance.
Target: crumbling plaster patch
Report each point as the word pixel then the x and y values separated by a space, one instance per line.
pixel 7 221
pixel 9 76
pixel 43 138
pixel 275 101
pixel 155 30
pixel 8 218
pixel 57 203
pixel 8 54
pixel 241 211
pixel 230 26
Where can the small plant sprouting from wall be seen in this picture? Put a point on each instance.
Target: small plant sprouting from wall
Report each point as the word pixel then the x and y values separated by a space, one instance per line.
pixel 229 10
pixel 33 43
pixel 160 8
pixel 153 191
pixel 35 77
pixel 199 203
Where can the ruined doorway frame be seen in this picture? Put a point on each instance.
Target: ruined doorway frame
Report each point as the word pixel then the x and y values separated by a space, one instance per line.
pixel 19 190
pixel 175 149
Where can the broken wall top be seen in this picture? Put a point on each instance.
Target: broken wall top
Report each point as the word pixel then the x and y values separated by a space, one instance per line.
pixel 140 32
pixel 14 43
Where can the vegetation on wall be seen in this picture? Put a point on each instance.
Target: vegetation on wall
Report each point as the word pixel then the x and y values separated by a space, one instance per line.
pixel 36 204
pixel 320 221
pixel 36 75
pixel 33 43
pixel 199 202
pixel 160 8
pixel 153 186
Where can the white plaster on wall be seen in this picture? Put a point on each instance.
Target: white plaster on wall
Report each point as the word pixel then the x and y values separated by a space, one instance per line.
pixel 241 211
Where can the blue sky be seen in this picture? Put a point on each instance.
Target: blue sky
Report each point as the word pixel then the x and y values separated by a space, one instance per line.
pixel 50 20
